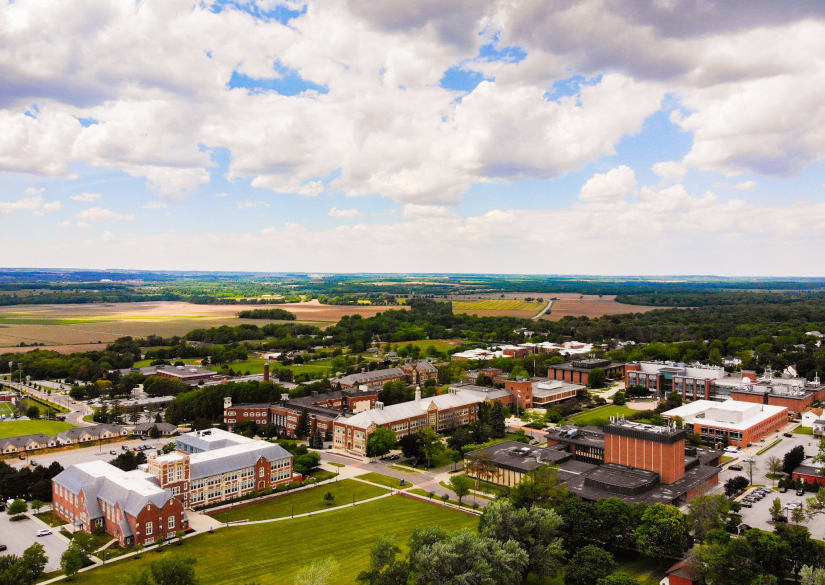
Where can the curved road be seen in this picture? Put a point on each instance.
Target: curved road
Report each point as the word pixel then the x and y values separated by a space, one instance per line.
pixel 78 409
pixel 543 311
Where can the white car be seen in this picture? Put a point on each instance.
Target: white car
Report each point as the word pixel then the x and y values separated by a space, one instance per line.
pixel 44 532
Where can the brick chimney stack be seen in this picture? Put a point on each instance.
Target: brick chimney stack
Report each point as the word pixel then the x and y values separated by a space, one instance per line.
pixel 266 372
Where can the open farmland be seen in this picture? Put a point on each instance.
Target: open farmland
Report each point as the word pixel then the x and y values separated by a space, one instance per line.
pixel 69 328
pixel 576 305
pixel 499 307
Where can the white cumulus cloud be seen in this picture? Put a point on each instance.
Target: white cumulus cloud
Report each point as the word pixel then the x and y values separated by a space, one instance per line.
pixel 101 214
pixel 86 197
pixel 610 186
pixel 344 213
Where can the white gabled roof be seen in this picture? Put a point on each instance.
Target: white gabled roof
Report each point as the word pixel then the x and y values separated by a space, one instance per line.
pixel 413 408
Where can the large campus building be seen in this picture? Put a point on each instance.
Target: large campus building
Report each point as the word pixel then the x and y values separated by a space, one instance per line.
pixel 578 370
pixel 443 412
pixel 699 382
pixel 733 421
pixel 136 506
pixel 636 462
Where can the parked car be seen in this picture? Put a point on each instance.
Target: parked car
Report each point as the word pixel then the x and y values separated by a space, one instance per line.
pixel 137 449
pixel 783 489
pixel 44 532
pixel 124 447
pixel 22 457
pixel 747 504
pixel 800 492
pixel 3 547
pixel 112 452
pixel 394 457
pixel 735 468
pixel 787 434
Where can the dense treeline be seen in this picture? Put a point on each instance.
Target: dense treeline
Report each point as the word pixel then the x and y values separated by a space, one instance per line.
pixel 86 366
pixel 278 314
pixel 28 483
pixel 700 299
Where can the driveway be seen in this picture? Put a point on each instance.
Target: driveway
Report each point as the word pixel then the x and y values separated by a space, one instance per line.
pixel 20 535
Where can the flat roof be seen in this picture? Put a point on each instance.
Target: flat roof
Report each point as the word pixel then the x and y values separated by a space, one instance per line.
pixel 702 412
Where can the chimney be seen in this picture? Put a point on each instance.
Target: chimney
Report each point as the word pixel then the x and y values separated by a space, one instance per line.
pixel 418 393
pixel 284 397
pixel 379 405
pixel 227 402
pixel 266 371
pixel 314 393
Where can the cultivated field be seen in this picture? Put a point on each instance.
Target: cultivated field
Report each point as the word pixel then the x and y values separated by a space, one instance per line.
pixel 68 328
pixel 274 552
pixel 499 307
pixel 576 305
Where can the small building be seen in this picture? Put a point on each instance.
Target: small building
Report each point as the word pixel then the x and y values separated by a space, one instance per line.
pixel 166 429
pixel 737 423
pixel 809 417
pixel 578 370
pixel 809 473
pixel 681 574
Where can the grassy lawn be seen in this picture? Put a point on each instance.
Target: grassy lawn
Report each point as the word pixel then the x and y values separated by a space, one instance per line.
pixel 771 446
pixel 51 519
pixel 597 415
pixel 725 459
pixel 386 480
pixel 304 501
pixel 321 474
pixel 5 408
pixel 335 464
pixel 804 430
pixel 401 468
pixel 30 427
pixel 222 560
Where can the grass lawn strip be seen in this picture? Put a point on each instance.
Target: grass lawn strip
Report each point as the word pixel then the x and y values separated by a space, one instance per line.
pixel 804 430
pixel 221 560
pixel 303 502
pixel 771 446
pixel 384 480
pixel 401 468
pixel 589 417
pixel 17 428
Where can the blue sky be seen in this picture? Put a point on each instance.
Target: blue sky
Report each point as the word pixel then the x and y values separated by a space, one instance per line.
pixel 371 137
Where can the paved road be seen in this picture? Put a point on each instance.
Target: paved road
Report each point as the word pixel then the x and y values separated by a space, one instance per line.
pixel 20 535
pixel 78 409
pixel 543 311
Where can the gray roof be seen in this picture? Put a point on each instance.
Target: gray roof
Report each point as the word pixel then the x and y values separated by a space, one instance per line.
pixel 94 431
pixel 374 376
pixel 229 459
pixel 483 392
pixel 162 427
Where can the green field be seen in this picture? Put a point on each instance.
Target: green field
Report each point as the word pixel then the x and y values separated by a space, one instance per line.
pixel 386 480
pixel 497 305
pixel 256 366
pixel 5 408
pixel 804 430
pixel 272 553
pixel 602 414
pixel 304 501
pixel 30 427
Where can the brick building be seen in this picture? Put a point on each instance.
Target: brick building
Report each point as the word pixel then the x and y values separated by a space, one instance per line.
pixel 541 392
pixel 409 372
pixel 578 370
pixel 738 423
pixel 809 473
pixel 137 506
pixel 129 505
pixel 322 409
pixel 442 412
pixel 662 378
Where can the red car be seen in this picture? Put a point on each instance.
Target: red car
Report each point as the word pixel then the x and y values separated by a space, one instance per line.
pixel 23 457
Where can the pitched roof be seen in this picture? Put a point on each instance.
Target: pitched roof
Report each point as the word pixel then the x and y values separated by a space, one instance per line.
pixel 232 458
pixel 413 408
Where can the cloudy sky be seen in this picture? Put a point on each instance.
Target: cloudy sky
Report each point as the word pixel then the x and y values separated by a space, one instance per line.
pixel 510 136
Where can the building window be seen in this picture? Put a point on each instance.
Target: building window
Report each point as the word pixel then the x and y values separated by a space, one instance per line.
pixel 171 522
pixel 149 528
pixel 261 472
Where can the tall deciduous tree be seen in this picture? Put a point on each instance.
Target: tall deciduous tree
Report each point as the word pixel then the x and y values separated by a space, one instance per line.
pixel 536 530
pixel 381 442
pixel 663 532
pixel 302 427
pixel 707 513
pixel 497 422
pixel 589 565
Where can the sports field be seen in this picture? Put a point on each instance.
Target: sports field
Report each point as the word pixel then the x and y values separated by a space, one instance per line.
pixel 499 307
pixel 84 327
pixel 304 501
pixel 274 552
pixel 29 427
pixel 5 408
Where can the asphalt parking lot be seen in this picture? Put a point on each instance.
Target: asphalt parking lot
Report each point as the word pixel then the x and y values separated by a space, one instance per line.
pixel 759 515
pixel 95 453
pixel 20 535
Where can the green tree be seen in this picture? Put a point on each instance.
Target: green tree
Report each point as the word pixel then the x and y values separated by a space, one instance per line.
pixel 170 569
pixel 466 557
pixel 707 513
pixel 461 485
pixel 497 422
pixel 381 442
pixel 84 543
pixel 329 497
pixel 616 523
pixel 589 565
pixel 812 576
pixel 154 432
pixel 33 412
pixel 776 510
pixel 302 428
pixel 385 568
pixel 37 504
pixel 23 570
pixel 715 357
pixel 798 515
pixel 17 509
pixel 619 398
pixel 536 530
pixel 596 378
pixel 663 532
pixel 71 562
pixel 320 572
pixel 431 444
pixel 793 458
pixel 540 487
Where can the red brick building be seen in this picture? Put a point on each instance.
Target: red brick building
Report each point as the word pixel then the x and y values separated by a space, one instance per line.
pixel 578 370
